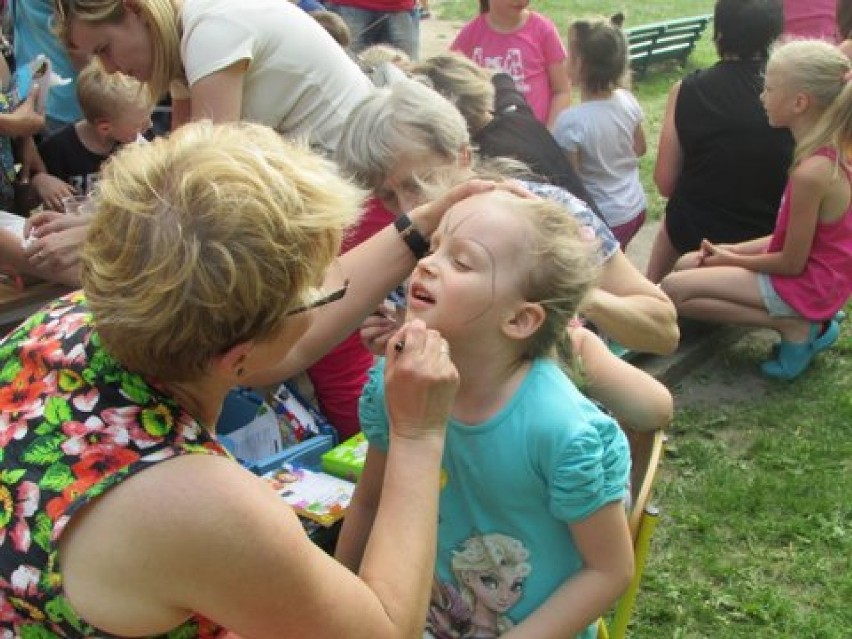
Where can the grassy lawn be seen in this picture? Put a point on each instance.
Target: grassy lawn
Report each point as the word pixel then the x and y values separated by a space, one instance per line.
pixel 756 538
pixel 756 533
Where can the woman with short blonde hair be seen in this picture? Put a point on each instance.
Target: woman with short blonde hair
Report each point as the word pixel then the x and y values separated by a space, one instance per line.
pixel 210 263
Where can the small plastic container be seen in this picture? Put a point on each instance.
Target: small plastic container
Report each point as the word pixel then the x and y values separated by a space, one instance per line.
pixel 242 405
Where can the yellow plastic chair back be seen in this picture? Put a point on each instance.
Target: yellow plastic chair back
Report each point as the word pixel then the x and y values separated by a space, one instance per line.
pixel 642 521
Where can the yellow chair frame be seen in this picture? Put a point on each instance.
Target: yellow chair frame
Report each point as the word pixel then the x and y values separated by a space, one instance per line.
pixel 642 521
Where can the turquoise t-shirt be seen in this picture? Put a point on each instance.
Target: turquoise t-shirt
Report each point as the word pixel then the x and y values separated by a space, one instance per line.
pixel 34 35
pixel 512 484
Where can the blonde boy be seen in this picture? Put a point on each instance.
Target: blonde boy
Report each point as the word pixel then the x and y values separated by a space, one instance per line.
pixel 116 110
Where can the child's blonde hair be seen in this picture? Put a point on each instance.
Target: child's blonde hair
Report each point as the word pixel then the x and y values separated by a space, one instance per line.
pixel 378 53
pixel 563 268
pixel 103 96
pixel 335 25
pixel 822 71
pixel 463 82
pixel 602 48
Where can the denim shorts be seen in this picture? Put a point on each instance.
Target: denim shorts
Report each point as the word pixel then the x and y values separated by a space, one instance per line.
pixel 775 306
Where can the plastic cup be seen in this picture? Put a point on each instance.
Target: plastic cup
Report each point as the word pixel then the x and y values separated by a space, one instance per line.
pixel 75 204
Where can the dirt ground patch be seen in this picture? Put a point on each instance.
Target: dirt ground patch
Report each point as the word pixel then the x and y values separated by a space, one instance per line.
pixel 730 375
pixel 436 35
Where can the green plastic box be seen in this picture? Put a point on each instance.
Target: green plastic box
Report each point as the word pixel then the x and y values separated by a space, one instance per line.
pixel 346 460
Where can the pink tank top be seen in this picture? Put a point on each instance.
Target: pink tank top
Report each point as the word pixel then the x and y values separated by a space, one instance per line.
pixel 825 284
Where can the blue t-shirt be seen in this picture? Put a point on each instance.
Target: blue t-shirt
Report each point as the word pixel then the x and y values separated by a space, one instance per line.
pixel 511 486
pixel 33 35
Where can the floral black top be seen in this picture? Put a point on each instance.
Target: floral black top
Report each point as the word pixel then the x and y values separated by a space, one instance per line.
pixel 73 423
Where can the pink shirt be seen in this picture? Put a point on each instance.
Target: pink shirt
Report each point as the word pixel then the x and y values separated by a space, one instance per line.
pixel 825 284
pixel 339 376
pixel 811 19
pixel 525 54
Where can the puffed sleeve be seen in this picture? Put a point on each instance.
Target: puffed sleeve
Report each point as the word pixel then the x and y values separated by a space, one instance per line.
pixel 591 470
pixel 371 407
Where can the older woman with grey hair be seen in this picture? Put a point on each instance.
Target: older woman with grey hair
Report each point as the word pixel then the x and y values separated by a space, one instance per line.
pixel 399 138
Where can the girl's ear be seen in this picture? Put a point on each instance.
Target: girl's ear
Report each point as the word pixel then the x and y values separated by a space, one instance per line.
pixel 526 320
pixel 801 102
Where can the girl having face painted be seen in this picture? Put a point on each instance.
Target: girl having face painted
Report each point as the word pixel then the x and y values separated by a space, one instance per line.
pixel 527 455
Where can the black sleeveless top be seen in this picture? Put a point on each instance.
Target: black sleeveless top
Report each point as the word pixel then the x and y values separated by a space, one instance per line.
pixel 734 164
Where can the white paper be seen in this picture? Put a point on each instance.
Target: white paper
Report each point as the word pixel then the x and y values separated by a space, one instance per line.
pixel 258 439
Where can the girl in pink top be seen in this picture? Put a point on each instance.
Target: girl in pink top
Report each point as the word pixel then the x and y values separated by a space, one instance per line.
pixel 810 19
pixel 508 37
pixel 798 279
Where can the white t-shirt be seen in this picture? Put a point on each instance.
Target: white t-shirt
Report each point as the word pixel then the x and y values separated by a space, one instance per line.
pixel 299 80
pixel 602 132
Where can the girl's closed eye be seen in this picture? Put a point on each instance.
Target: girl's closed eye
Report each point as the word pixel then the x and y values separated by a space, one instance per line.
pixel 461 262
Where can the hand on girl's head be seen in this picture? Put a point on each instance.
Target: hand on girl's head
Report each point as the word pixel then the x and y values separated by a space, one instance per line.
pixel 515 187
pixel 441 204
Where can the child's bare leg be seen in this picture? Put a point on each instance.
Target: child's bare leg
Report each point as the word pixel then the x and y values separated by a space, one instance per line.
pixel 728 295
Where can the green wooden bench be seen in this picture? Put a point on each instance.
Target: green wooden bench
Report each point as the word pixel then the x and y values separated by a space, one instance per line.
pixel 670 40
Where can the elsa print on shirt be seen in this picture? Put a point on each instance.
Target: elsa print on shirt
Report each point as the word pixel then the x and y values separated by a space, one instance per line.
pixel 490 571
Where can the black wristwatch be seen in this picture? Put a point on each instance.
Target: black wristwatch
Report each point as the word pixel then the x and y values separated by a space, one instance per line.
pixel 411 236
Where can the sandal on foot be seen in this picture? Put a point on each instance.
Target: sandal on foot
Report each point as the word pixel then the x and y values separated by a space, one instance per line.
pixel 823 341
pixel 792 360
pixel 828 336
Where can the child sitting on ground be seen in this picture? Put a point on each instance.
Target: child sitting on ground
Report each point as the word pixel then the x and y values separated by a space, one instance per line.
pixel 796 280
pixel 526 454
pixel 603 136
pixel 116 111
